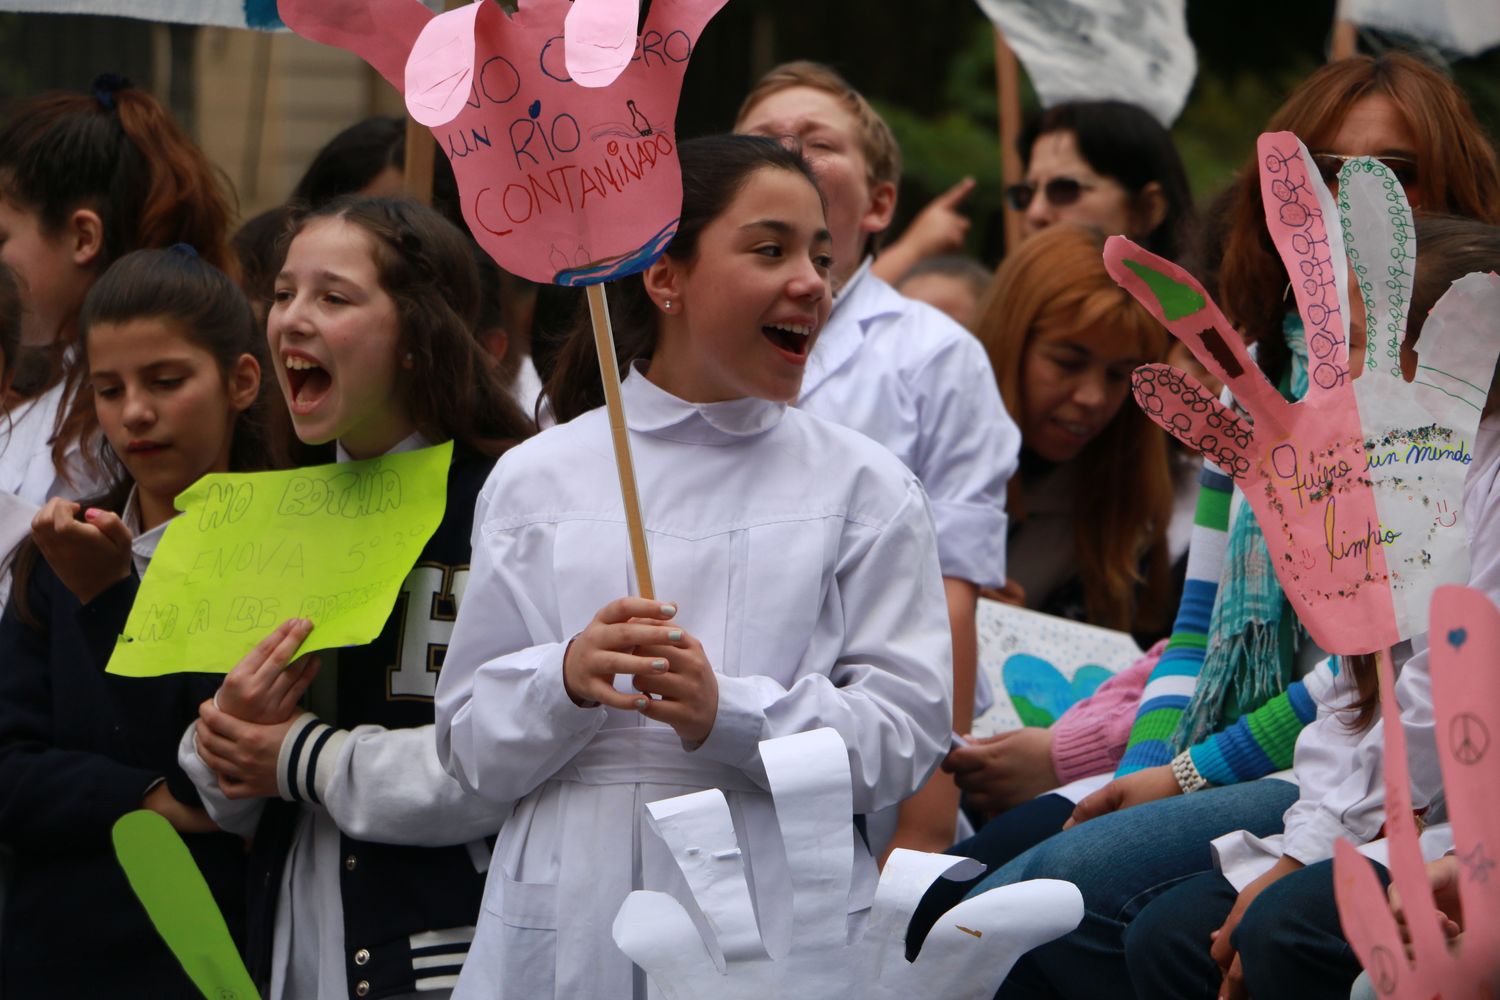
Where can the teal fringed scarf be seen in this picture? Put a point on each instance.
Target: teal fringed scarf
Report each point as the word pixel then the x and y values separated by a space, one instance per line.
pixel 1243 654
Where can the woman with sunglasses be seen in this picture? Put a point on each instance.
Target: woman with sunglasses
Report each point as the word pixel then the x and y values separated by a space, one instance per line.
pixel 1394 107
pixel 1141 834
pixel 1106 164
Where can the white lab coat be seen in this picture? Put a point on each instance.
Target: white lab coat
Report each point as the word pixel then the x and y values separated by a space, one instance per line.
pixel 1339 772
pixel 908 376
pixel 799 553
pixel 27 470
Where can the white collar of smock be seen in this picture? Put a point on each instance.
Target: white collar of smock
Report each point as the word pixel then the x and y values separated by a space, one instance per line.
pixel 862 298
pixel 410 443
pixel 650 409
pixel 143 543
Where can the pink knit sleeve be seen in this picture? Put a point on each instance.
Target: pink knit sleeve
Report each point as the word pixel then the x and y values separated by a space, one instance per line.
pixel 1090 737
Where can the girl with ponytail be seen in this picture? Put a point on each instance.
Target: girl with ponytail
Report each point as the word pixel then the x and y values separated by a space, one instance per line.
pixel 86 178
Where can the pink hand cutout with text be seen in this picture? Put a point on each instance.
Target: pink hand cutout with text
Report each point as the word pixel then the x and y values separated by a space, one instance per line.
pixel 1344 483
pixel 1465 643
pixel 562 182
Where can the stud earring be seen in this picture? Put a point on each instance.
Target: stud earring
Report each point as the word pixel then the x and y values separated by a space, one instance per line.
pixel 667 305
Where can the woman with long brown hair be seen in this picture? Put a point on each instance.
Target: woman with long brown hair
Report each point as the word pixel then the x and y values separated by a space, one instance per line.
pixel 1094 492
pixel 1090 510
pixel 1394 107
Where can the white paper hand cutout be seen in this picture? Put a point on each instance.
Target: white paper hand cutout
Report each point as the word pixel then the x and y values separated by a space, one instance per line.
pixel 966 955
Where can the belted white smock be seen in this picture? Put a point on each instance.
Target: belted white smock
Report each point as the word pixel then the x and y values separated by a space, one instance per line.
pixel 801 555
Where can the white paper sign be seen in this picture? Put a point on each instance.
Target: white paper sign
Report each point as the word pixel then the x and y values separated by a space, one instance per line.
pixel 1419 436
pixel 1038 665
pixel 965 956
pixel 1090 50
pixel 1467 27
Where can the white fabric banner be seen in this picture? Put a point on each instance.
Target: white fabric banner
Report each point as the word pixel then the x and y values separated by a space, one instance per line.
pixel 220 13
pixel 1463 26
pixel 1091 50
pixel 259 14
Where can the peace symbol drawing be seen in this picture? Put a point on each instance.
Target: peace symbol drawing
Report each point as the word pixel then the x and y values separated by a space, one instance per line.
pixel 1468 738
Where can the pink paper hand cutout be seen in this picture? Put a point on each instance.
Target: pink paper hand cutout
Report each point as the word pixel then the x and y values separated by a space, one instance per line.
pixel 561 183
pixel 1465 643
pixel 1342 483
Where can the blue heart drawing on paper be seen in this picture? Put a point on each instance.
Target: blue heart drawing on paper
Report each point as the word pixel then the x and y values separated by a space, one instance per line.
pixel 262 14
pixel 1457 637
pixel 1041 693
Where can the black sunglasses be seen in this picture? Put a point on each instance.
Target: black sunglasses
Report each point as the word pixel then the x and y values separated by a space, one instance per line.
pixel 1059 191
pixel 1403 168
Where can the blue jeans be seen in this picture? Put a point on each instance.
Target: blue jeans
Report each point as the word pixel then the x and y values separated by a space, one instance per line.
pixel 1120 862
pixel 1290 942
pixel 1016 830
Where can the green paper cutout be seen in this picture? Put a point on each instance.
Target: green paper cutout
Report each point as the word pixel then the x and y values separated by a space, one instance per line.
pixel 169 885
pixel 1176 299
pixel 329 543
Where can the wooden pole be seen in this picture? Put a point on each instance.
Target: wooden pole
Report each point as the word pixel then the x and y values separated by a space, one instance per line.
pixel 416 172
pixel 1345 34
pixel 609 374
pixel 1008 95
pixel 1345 40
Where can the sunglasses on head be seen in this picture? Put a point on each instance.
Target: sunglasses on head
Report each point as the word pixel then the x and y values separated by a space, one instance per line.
pixel 1403 168
pixel 1059 191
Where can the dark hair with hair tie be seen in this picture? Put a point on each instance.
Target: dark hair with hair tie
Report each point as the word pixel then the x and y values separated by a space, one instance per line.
pixel 126 160
pixel 106 86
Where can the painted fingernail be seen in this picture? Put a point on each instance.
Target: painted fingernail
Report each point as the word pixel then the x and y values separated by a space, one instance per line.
pixel 640 703
pixel 660 666
pixel 668 610
pixel 91 513
pixel 675 635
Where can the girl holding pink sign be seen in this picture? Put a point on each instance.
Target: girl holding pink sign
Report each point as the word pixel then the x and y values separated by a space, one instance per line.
pixel 800 555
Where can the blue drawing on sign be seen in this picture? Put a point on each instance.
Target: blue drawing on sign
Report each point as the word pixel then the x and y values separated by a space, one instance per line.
pixel 1039 691
pixel 262 15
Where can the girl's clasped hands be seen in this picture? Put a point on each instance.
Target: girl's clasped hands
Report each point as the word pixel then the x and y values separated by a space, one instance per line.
pixel 675 681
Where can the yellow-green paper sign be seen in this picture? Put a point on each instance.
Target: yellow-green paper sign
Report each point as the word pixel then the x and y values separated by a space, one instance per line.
pixel 329 543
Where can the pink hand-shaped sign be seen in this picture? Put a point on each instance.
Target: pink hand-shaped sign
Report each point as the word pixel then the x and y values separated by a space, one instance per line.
pixel 1355 545
pixel 1465 642
pixel 563 181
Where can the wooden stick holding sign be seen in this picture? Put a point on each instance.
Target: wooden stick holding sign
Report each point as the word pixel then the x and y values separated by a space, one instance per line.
pixel 609 374
pixel 421 155
pixel 1008 94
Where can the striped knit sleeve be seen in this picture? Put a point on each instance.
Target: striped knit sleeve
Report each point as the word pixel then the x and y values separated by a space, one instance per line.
pixel 1170 686
pixel 1259 743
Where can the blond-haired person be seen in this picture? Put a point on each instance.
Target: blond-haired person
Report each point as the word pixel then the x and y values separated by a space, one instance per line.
pixel 902 373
